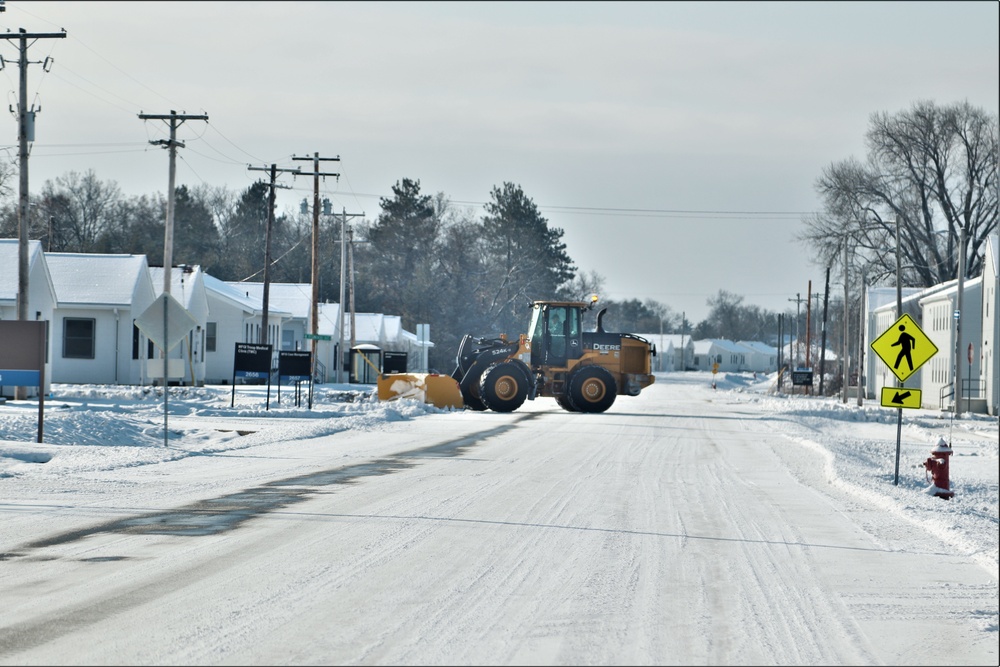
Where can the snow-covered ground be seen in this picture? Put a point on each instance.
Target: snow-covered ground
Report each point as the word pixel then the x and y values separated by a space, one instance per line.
pixel 823 473
pixel 100 427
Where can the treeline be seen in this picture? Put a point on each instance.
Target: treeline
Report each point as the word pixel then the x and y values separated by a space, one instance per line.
pixel 422 258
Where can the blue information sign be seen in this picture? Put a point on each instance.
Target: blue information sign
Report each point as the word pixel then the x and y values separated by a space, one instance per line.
pixel 20 378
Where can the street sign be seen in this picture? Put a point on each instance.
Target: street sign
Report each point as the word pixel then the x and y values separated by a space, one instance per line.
pixel 802 377
pixel 310 336
pixel 904 348
pixel 166 322
pixel 900 397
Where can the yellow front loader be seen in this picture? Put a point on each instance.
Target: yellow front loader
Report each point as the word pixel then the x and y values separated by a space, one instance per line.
pixel 584 371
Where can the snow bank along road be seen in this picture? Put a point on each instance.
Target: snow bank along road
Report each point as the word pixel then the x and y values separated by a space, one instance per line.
pixel 677 528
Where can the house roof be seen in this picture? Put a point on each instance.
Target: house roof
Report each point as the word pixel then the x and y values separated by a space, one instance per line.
pixel 95 279
pixel 181 280
pixel 993 252
pixel 329 319
pixel 238 298
pixel 951 290
pixel 294 298
pixel 368 326
pixel 667 340
pixel 9 266
pixel 706 344
pixel 757 346
pixel 914 294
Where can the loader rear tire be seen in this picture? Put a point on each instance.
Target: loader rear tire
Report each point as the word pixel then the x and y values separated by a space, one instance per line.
pixel 592 389
pixel 565 403
pixel 503 387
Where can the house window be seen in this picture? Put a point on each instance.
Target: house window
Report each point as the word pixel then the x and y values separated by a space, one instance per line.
pixel 135 341
pixel 78 338
pixel 210 333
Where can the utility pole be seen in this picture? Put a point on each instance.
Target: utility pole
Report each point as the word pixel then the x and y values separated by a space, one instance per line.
pixel 781 347
pixel 175 120
pixel 23 116
pixel 683 359
pixel 899 313
pixel 350 272
pixel 267 240
pixel 862 329
pixel 822 348
pixel 958 320
pixel 314 314
pixel 808 328
pixel 798 304
pixel 343 267
pixel 845 366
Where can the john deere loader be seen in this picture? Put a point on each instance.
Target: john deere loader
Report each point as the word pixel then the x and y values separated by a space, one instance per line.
pixel 584 371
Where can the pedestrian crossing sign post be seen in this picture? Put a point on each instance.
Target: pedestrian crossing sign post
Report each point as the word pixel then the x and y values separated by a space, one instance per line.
pixel 904 348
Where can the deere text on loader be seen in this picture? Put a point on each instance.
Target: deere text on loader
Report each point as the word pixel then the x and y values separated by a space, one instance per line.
pixel 583 370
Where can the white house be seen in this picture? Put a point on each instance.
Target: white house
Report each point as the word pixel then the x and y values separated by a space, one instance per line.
pixel 187 286
pixel 292 298
pixel 938 374
pixel 728 355
pixel 234 317
pixel 674 352
pixel 98 298
pixel 761 357
pixel 989 360
pixel 41 296
pixel 326 350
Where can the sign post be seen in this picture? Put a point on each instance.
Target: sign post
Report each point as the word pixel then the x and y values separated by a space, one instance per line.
pixel 166 322
pixel 252 361
pixel 296 366
pixel 968 404
pixel 904 348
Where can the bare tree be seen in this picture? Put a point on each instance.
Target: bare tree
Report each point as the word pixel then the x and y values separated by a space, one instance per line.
pixel 78 209
pixel 582 286
pixel 934 170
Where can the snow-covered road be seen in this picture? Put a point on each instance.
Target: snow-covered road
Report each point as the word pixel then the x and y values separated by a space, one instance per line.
pixel 683 526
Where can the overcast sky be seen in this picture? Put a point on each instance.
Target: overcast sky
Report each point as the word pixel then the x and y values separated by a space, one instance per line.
pixel 676 144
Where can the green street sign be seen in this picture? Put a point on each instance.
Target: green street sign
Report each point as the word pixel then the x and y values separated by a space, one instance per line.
pixel 318 337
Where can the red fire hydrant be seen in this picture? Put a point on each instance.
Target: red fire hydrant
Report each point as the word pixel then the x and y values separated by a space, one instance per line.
pixel 937 466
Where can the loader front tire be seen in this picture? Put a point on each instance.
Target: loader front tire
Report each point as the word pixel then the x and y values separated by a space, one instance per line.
pixel 503 387
pixel 592 389
pixel 473 399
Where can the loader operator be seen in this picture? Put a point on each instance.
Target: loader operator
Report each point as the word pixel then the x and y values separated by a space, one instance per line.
pixel 557 333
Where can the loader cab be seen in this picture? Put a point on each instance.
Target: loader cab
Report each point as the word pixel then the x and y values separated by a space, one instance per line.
pixel 555 334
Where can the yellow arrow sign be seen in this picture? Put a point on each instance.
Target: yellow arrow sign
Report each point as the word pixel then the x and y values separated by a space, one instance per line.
pixel 900 397
pixel 904 348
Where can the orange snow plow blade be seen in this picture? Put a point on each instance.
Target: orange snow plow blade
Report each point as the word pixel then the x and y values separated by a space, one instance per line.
pixel 440 390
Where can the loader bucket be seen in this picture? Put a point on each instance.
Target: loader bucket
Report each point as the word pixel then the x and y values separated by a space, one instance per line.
pixel 440 390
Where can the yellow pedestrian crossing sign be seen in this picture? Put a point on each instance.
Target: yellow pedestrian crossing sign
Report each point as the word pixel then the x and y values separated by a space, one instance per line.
pixel 904 348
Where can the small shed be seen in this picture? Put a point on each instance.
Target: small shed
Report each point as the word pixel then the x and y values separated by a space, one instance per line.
pixel 366 362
